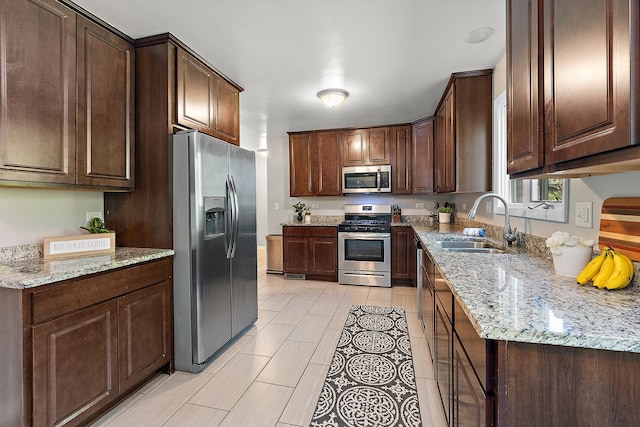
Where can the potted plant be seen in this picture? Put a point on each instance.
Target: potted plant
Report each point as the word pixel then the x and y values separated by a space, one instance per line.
pixel 444 214
pixel 570 253
pixel 300 208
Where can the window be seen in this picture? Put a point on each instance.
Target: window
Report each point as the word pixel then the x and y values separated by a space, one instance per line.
pixel 543 199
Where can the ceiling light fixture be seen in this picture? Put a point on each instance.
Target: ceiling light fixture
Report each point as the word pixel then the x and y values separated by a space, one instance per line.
pixel 333 97
pixel 478 35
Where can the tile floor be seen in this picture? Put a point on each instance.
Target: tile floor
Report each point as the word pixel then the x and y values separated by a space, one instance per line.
pixel 272 374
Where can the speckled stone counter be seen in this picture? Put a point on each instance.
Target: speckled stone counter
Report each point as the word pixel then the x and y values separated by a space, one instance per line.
pixel 516 296
pixel 316 221
pixel 35 271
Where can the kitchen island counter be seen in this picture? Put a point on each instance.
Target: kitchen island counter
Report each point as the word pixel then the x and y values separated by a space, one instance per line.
pixel 516 296
pixel 30 272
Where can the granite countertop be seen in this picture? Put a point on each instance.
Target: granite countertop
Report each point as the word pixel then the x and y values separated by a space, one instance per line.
pixel 516 296
pixel 316 221
pixel 31 272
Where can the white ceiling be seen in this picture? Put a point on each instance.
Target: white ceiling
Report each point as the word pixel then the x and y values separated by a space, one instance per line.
pixel 394 57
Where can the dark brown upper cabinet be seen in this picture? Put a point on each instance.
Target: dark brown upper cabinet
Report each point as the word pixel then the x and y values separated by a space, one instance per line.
pixel 572 76
pixel 463 134
pixel 106 87
pixel 38 92
pixel 326 159
pixel 55 63
pixel 401 159
pixel 363 147
pixel 300 163
pixel 171 80
pixel 422 156
pixel 206 102
pixel 315 167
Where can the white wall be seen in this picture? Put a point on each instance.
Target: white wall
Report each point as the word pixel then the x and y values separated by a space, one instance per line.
pixel 595 189
pixel 29 215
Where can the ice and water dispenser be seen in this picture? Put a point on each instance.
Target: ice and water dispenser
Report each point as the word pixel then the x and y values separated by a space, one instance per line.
pixel 214 208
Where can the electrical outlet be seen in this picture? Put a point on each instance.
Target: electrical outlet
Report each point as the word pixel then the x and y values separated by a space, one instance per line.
pixel 584 214
pixel 420 205
pixel 315 206
pixel 90 215
pixel 277 206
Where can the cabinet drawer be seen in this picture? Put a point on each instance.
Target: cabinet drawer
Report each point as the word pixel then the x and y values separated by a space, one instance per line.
pixel 310 231
pixel 65 297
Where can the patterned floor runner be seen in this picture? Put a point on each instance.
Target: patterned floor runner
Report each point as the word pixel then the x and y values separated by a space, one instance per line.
pixel 371 380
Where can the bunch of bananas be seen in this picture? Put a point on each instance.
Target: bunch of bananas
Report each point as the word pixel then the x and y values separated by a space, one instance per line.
pixel 610 270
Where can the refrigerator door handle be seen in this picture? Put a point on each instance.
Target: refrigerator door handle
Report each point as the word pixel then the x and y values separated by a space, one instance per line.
pixel 231 212
pixel 235 217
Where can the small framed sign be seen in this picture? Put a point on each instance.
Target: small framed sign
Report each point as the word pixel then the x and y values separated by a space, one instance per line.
pixel 81 245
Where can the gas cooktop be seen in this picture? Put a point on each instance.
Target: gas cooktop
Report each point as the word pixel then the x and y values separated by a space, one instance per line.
pixel 366 218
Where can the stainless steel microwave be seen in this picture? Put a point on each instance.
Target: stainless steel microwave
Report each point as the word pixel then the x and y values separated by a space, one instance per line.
pixel 366 179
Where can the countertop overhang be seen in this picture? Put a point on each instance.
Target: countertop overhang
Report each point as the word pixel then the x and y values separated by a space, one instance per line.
pixel 516 296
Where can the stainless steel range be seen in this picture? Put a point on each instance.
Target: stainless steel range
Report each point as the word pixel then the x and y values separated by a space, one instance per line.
pixel 364 246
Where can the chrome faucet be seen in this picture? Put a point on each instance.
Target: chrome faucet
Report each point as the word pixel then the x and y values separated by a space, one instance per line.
pixel 508 236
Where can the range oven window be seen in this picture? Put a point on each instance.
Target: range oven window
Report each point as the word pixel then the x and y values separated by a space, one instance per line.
pixel 364 250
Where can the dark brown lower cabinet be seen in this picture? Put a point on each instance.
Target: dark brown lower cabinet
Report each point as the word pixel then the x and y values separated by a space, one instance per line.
pixel 403 256
pixel 463 362
pixel 75 365
pixel 77 347
pixel 312 251
pixel 442 357
pixel 144 338
pixel 471 406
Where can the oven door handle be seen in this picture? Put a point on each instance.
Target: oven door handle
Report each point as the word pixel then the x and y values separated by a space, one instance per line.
pixel 364 236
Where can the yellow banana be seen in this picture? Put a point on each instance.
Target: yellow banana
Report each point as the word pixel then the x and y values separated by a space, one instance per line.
pixel 605 271
pixel 623 272
pixel 591 269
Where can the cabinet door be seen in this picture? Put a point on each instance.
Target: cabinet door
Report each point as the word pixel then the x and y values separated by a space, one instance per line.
pixel 524 133
pixel 354 147
pixel 327 163
pixel 227 111
pixel 443 357
pixel 587 75
pixel 428 303
pixel 471 406
pixel 295 254
pixel 106 72
pixel 300 160
pixel 75 365
pixel 145 331
pixel 422 158
pixel 323 256
pixel 445 147
pixel 401 159
pixel 403 256
pixel 195 91
pixel 378 146
pixel 38 92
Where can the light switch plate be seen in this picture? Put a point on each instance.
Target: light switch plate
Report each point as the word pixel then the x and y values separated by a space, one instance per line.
pixel 419 205
pixel 584 214
pixel 315 206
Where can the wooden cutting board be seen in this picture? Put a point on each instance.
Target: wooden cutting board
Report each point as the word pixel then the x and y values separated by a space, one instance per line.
pixel 620 226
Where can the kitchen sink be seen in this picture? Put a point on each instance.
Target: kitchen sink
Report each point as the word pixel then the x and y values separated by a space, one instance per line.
pixel 470 246
pixel 476 250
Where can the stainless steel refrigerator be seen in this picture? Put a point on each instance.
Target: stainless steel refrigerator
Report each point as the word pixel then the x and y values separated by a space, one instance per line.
pixel 214 229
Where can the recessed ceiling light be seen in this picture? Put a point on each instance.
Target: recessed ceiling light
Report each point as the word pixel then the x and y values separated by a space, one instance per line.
pixel 478 35
pixel 333 97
